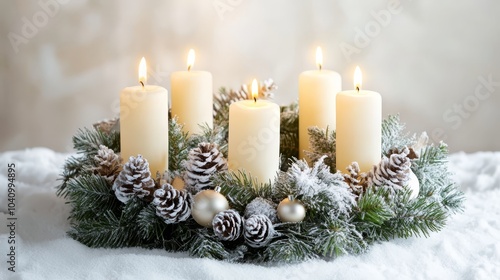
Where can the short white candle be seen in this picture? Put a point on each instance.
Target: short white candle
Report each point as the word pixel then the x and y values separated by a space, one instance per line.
pixel 254 137
pixel 317 91
pixel 144 122
pixel 192 97
pixel 359 127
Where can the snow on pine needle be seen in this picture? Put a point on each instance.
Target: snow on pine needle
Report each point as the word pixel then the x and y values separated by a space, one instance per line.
pixel 318 188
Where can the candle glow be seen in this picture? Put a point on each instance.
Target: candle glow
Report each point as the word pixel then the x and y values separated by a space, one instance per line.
pixel 319 57
pixel 255 90
pixel 317 91
pixel 143 72
pixel 357 79
pixel 359 112
pixel 190 59
pixel 144 122
pixel 192 97
pixel 254 137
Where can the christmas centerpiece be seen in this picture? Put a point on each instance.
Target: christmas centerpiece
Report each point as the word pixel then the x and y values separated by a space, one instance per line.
pixel 204 205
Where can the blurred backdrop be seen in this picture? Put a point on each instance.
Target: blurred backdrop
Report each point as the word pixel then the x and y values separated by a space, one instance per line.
pixel 436 63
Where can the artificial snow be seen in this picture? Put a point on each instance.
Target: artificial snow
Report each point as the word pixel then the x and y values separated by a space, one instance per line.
pixel 467 248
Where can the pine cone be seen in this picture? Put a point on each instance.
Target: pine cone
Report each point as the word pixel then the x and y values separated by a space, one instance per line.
pixel 134 179
pixel 267 89
pixel 244 92
pixel 107 126
pixel 228 225
pixel 202 163
pixel 226 98
pixel 392 172
pixel 108 164
pixel 262 206
pixel 355 179
pixel 412 153
pixel 172 205
pixel 259 231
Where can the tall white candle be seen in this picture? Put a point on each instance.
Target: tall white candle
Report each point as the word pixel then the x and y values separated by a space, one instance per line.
pixel 144 122
pixel 359 127
pixel 317 91
pixel 192 97
pixel 254 137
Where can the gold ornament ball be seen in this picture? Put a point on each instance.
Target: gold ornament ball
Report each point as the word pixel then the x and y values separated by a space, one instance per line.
pixel 290 210
pixel 413 185
pixel 207 204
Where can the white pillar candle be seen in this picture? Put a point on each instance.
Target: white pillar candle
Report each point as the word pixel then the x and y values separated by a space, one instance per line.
pixel 359 127
pixel 192 97
pixel 317 91
pixel 254 137
pixel 144 123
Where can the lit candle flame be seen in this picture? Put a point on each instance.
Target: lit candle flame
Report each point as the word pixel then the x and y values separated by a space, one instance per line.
pixel 357 78
pixel 190 60
pixel 255 90
pixel 319 57
pixel 143 72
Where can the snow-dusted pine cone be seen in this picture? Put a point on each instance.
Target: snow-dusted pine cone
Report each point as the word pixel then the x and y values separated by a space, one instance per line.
pixel 134 179
pixel 203 161
pixel 410 152
pixel 392 172
pixel 265 91
pixel 172 205
pixel 108 164
pixel 228 225
pixel 259 231
pixel 355 179
pixel 262 206
pixel 107 126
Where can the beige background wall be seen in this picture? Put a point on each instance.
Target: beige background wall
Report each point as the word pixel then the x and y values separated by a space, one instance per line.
pixel 64 63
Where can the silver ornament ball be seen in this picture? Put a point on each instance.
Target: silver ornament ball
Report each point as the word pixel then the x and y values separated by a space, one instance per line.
pixel 291 210
pixel 207 204
pixel 413 185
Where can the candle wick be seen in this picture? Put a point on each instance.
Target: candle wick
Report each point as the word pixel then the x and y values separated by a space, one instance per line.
pixel 189 67
pixel 255 99
pixel 320 67
pixel 357 88
pixel 142 84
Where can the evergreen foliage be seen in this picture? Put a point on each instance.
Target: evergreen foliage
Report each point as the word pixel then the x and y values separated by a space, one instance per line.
pixel 289 133
pixel 177 145
pixel 323 146
pixel 222 101
pixel 86 143
pixel 394 135
pixel 337 221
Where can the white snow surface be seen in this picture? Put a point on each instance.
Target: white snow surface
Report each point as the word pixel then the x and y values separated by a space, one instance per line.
pixel 468 248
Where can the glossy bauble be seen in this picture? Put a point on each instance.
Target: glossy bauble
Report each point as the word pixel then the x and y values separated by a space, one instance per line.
pixel 207 204
pixel 413 185
pixel 291 210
